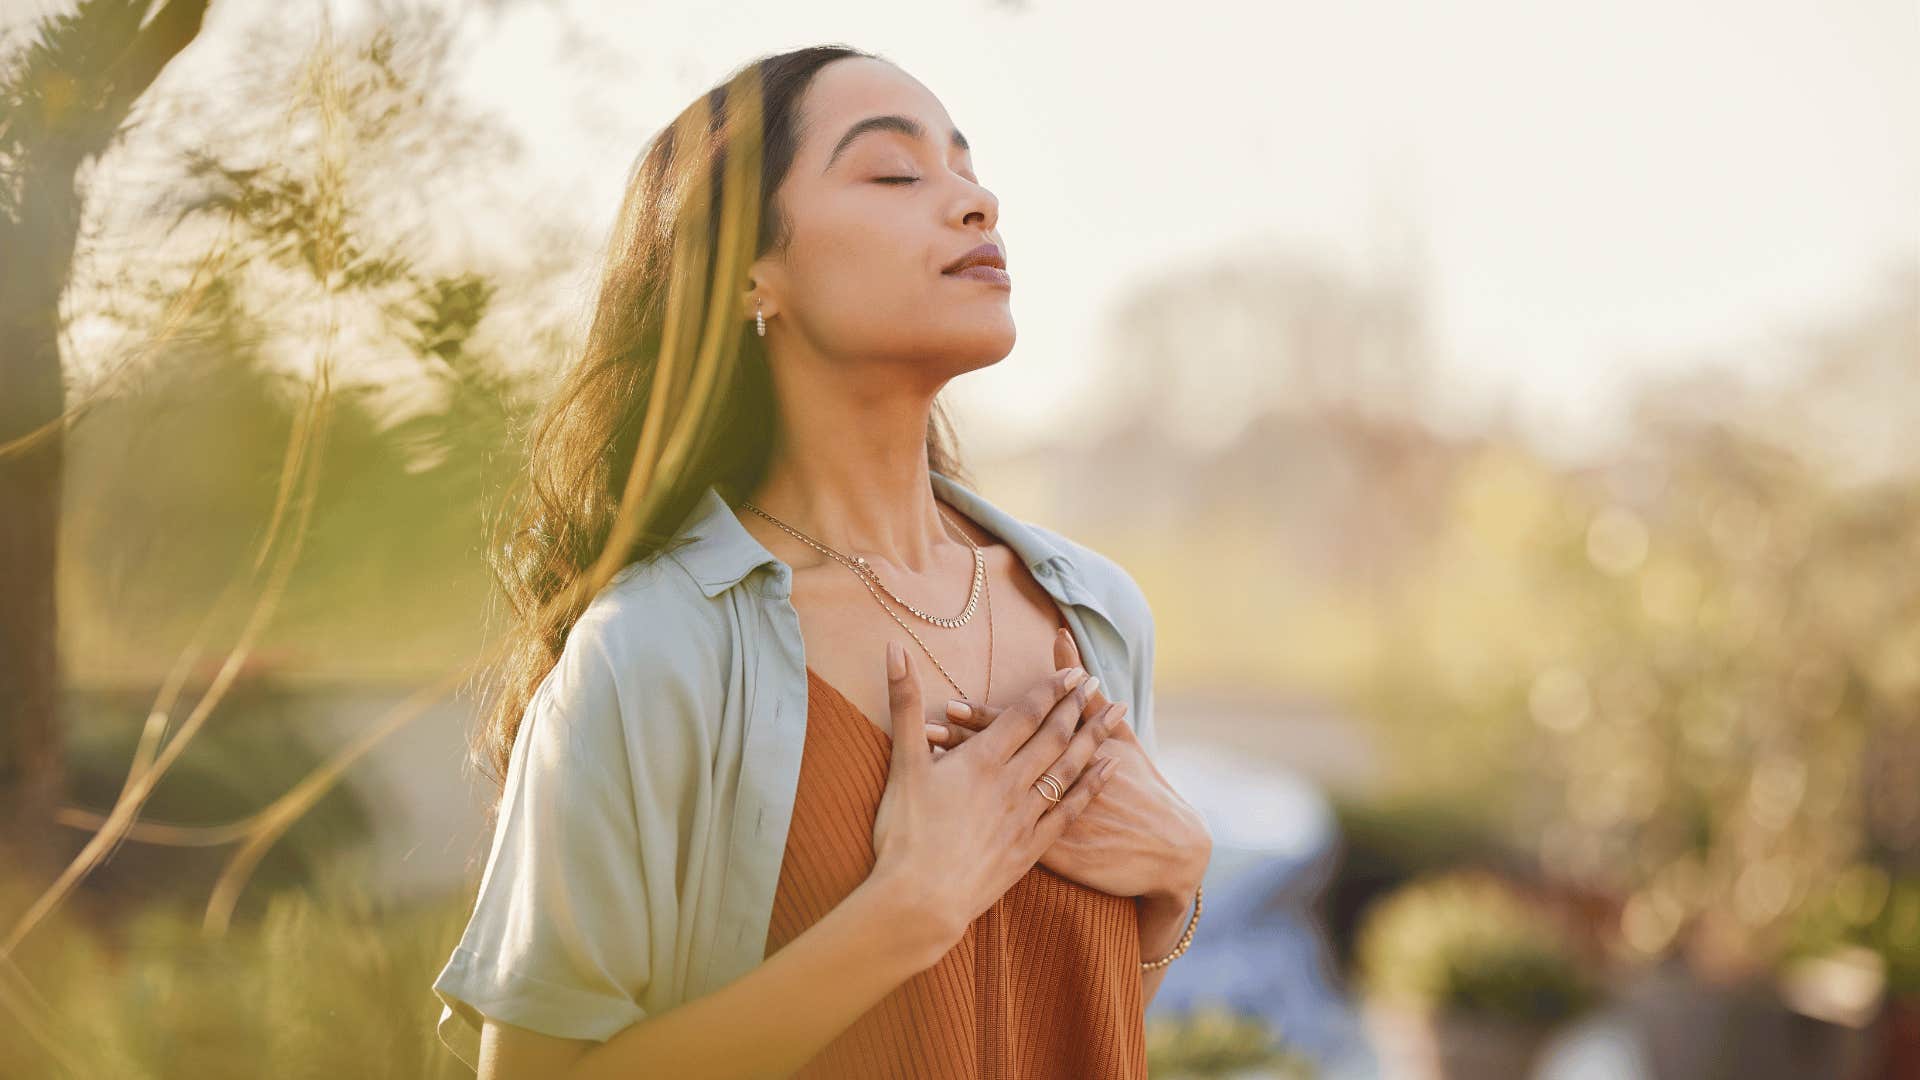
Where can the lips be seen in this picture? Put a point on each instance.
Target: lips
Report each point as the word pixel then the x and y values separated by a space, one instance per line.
pixel 984 255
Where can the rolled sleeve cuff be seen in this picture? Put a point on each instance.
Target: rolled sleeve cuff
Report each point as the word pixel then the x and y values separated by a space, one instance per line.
pixel 472 988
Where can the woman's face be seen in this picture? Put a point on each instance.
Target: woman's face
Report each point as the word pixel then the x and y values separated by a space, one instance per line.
pixel 874 220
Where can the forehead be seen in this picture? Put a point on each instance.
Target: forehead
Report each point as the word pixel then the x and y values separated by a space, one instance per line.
pixel 848 91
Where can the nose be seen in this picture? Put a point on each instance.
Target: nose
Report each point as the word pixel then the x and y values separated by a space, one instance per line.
pixel 979 208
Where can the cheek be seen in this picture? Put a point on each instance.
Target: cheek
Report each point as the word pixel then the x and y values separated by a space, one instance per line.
pixel 873 252
pixel 860 273
pixel 866 281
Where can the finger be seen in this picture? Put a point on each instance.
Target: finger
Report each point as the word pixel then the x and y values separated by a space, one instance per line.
pixel 1025 716
pixel 974 717
pixel 910 747
pixel 1047 744
pixel 1073 760
pixel 946 736
pixel 1066 653
pixel 1058 816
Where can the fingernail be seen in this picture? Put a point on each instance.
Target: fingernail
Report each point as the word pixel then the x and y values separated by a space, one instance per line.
pixel 936 733
pixel 958 709
pixel 1074 677
pixel 1107 769
pixel 896 660
pixel 1087 688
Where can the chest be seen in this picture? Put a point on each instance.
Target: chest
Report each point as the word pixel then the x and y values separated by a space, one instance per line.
pixel 845 630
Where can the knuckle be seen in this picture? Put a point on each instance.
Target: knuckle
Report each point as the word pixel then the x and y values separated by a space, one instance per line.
pixel 1059 737
pixel 1062 718
pixel 1041 698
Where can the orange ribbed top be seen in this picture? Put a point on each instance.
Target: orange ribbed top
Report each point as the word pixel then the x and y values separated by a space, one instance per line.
pixel 1045 983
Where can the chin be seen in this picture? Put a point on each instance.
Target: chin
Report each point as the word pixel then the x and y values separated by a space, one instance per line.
pixel 990 333
pixel 983 349
pixel 953 358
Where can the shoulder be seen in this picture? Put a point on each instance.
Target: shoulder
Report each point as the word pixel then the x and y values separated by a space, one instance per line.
pixel 652 634
pixel 654 603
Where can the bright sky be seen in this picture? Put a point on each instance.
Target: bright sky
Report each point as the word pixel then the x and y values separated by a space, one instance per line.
pixel 1590 189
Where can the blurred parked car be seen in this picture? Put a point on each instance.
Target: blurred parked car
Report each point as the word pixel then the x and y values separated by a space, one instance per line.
pixel 1262 948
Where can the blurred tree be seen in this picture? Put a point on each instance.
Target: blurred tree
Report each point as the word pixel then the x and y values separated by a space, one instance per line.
pixel 66 96
pixel 1691 671
pixel 298 195
pixel 1265 333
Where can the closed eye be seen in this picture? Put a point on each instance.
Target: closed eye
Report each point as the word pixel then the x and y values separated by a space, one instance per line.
pixel 896 180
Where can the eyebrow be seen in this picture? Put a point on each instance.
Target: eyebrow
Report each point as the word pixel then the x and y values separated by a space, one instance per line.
pixel 905 125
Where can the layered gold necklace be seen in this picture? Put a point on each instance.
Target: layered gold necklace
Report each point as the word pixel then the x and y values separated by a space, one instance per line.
pixel 868 577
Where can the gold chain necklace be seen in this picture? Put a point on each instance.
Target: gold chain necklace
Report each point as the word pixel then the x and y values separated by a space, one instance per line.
pixel 858 564
pixel 869 578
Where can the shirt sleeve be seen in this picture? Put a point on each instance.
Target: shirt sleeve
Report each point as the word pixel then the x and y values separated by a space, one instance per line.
pixel 561 939
pixel 1145 727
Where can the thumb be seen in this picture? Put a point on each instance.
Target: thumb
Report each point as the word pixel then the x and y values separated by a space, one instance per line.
pixel 1065 652
pixel 911 751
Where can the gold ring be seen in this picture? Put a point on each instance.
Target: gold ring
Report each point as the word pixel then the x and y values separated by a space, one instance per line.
pixel 1049 778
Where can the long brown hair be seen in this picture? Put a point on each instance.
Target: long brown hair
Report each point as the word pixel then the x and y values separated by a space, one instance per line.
pixel 669 395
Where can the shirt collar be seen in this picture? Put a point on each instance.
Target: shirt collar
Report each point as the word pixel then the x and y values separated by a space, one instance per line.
pixel 719 551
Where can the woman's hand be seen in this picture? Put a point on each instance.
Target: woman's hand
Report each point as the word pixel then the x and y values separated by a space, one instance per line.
pixel 1138 837
pixel 954 832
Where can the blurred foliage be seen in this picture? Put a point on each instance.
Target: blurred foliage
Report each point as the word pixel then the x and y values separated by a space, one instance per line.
pixel 1868 908
pixel 327 983
pixel 1388 840
pixel 256 747
pixel 1688 675
pixel 1467 942
pixel 170 487
pixel 1690 672
pixel 298 265
pixel 283 313
pixel 1214 1041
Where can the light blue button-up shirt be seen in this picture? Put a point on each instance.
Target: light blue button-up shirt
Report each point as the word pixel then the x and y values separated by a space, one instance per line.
pixel 644 815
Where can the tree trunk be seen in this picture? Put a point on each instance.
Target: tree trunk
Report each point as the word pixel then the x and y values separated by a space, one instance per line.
pixel 98 83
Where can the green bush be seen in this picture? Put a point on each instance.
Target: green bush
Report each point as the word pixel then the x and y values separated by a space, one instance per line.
pixel 252 750
pixel 1465 941
pixel 327 983
pixel 1213 1041
pixel 1868 907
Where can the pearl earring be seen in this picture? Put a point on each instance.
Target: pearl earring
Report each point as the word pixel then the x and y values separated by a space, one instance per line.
pixel 759 320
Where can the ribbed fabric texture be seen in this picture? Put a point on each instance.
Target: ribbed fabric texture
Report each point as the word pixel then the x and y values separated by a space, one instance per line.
pixel 1045 983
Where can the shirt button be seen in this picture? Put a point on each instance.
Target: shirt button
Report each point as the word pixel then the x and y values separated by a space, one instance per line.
pixel 1046 570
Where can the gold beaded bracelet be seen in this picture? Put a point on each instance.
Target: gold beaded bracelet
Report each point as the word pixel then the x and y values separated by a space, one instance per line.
pixel 1186 938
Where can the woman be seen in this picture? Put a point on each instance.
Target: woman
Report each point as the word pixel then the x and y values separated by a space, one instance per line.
pixel 741 831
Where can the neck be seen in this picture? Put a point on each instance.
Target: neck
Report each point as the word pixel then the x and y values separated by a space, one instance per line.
pixel 849 469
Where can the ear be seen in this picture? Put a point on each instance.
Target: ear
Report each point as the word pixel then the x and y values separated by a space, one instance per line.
pixel 763 285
